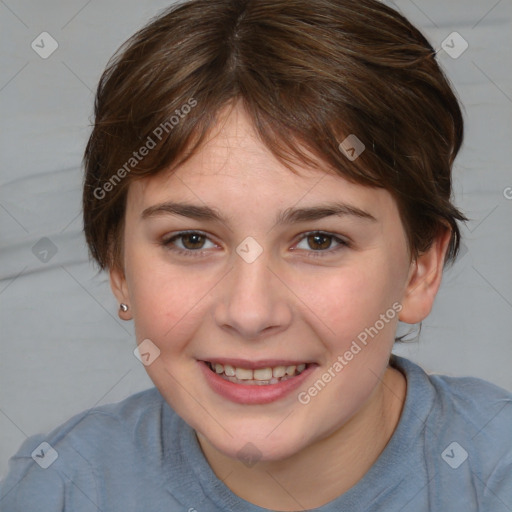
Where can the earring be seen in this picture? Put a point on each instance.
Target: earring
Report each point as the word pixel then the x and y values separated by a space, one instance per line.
pixel 123 307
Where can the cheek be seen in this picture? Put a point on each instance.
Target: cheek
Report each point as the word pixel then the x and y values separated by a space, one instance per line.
pixel 347 305
pixel 166 299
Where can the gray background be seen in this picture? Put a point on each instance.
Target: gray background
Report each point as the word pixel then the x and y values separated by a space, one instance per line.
pixel 63 349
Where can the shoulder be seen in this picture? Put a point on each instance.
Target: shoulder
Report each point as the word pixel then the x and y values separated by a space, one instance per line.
pixel 482 407
pixel 100 425
pixel 480 414
pixel 466 436
pixel 63 464
pixel 475 403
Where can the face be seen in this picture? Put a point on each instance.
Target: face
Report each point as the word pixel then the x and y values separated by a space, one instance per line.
pixel 258 276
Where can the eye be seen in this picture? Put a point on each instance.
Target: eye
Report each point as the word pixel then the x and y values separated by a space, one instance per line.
pixel 195 243
pixel 189 243
pixel 320 242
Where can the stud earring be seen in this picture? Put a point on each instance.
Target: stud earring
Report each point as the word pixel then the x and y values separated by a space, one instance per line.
pixel 123 307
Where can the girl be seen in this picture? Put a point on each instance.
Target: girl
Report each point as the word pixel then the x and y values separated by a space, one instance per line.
pixel 268 184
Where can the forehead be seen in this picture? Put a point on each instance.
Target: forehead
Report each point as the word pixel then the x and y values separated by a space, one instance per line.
pixel 234 166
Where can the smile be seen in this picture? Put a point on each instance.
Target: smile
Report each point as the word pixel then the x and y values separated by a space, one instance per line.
pixel 250 383
pixel 259 376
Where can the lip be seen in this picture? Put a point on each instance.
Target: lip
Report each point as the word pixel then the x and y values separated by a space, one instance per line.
pixel 252 364
pixel 253 394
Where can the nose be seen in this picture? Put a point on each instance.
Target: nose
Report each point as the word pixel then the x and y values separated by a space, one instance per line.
pixel 253 301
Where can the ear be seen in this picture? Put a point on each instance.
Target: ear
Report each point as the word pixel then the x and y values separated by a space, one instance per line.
pixel 120 290
pixel 424 280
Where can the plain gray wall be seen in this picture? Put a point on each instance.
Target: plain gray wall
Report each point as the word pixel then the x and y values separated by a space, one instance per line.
pixel 63 349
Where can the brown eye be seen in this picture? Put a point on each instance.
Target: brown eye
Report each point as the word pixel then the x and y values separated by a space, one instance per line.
pixel 189 243
pixel 193 241
pixel 317 244
pixel 319 241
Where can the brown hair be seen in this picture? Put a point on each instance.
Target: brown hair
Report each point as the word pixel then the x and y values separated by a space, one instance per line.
pixel 309 74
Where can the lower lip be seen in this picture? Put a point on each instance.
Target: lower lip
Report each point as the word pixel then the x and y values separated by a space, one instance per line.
pixel 252 393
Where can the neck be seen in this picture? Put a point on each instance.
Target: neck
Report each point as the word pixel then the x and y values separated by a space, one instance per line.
pixel 324 470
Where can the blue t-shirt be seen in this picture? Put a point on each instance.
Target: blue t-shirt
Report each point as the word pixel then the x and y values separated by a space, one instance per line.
pixel 451 451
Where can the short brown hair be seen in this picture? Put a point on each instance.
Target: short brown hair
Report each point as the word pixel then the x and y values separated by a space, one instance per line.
pixel 309 74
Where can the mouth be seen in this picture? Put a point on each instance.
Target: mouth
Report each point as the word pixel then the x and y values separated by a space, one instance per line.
pixel 262 376
pixel 250 383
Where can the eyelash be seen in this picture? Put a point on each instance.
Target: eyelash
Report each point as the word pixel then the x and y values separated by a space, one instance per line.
pixel 168 244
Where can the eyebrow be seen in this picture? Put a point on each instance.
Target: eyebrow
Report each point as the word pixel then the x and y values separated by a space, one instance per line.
pixel 288 216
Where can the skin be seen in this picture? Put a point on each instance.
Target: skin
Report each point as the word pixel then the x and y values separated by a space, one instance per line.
pixel 286 304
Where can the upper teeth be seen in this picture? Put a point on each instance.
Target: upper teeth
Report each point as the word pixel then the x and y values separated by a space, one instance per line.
pixel 258 374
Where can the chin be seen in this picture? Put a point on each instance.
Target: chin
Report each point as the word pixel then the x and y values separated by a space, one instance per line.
pixel 254 444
